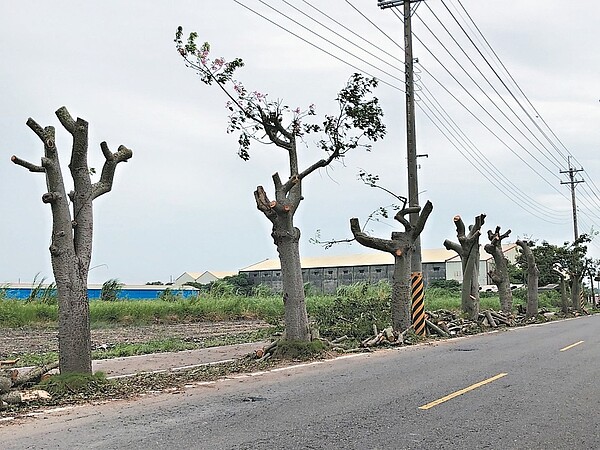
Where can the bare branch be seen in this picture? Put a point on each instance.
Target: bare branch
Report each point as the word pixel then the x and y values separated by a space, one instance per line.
pixel 37 129
pixel 460 225
pixel 51 197
pixel 29 166
pixel 505 235
pixel 416 231
pixel 66 119
pixel 453 246
pixel 105 150
pixel 108 170
pixel 404 211
pixel 384 245
pixel 264 204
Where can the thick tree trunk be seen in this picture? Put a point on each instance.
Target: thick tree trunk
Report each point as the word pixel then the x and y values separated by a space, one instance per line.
pixel 287 237
pixel 296 319
pixel 499 275
pixel 533 275
pixel 500 278
pixel 468 251
pixel 74 343
pixel 564 299
pixel 401 295
pixel 470 285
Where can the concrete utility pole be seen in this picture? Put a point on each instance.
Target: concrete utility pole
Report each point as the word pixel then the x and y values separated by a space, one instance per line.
pixel 411 138
pixel 417 285
pixel 572 181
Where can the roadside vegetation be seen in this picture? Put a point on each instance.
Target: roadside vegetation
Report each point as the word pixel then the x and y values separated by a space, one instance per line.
pixel 352 312
pixel 369 303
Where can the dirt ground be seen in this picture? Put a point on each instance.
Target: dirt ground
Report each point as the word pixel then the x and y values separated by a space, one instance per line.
pixel 40 340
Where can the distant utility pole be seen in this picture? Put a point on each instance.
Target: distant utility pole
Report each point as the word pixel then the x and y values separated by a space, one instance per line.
pixel 411 138
pixel 572 181
pixel 417 284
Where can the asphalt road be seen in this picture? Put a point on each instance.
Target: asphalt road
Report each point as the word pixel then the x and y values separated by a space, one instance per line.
pixel 541 398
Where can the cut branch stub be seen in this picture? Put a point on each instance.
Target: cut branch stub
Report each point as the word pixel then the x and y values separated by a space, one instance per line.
pixel 50 197
pixel 29 166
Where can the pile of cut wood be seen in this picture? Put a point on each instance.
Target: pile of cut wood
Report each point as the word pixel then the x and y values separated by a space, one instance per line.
pixel 448 323
pixel 13 385
pixel 445 323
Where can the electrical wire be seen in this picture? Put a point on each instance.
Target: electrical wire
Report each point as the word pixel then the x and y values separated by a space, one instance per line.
pixel 550 155
pixel 362 60
pixel 315 46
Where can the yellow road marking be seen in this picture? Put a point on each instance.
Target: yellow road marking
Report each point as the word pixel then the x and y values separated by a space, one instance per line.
pixel 462 391
pixel 571 346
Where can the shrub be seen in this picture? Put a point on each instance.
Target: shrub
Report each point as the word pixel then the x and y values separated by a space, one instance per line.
pixel 110 290
pixel 449 285
pixel 352 315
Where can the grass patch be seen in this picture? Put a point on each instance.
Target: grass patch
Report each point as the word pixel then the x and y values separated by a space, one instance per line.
pixel 157 346
pixel 18 313
pixel 75 383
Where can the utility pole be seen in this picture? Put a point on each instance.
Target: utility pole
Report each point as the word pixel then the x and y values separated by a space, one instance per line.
pixel 418 311
pixel 572 181
pixel 411 138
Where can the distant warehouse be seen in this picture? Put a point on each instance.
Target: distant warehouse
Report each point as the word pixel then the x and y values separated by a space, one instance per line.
pixel 327 273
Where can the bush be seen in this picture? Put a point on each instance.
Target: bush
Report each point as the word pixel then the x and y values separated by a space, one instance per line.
pixel 449 285
pixel 353 314
pixel 110 290
pixel 75 383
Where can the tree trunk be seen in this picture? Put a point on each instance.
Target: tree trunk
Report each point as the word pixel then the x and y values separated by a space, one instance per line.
pixel 533 275
pixel 500 278
pixel 499 274
pixel 470 284
pixel 468 251
pixel 74 340
pixel 286 238
pixel 296 319
pixel 564 299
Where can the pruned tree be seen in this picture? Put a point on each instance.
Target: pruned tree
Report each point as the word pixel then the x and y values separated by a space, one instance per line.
pixel 72 231
pixel 533 275
pixel 401 246
pixel 256 118
pixel 468 251
pixel 499 274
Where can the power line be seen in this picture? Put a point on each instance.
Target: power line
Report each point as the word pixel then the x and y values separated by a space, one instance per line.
pixel 558 162
pixel 538 115
pixel 315 45
pixel 371 65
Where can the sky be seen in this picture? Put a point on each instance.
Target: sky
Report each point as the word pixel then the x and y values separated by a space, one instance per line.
pixel 184 202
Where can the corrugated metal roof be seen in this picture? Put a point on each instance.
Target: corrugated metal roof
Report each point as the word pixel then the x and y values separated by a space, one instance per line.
pixel 222 274
pixel 194 275
pixel 364 259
